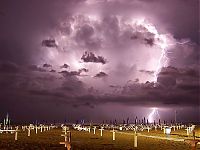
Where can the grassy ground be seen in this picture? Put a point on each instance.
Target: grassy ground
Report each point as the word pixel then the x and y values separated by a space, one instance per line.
pixel 81 140
pixel 180 134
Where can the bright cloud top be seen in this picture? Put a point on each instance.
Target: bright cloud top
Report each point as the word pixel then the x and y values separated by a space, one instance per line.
pixel 129 46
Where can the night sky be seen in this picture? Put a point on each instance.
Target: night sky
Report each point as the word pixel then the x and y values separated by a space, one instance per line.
pixel 99 59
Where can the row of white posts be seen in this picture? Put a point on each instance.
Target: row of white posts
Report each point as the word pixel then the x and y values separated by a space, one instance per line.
pixel 41 128
pixel 113 134
pixel 166 130
pixel 190 129
pixel 11 131
pixel 29 128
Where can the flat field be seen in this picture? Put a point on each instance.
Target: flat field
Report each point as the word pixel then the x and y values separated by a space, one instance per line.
pixel 82 140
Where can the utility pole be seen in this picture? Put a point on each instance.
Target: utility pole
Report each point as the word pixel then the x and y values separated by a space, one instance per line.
pixel 175 116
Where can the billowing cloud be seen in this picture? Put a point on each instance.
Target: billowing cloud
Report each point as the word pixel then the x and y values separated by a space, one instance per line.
pixel 49 43
pixel 70 73
pixel 52 70
pixel 172 76
pixel 47 65
pixel 83 70
pixel 64 66
pixel 90 57
pixel 101 75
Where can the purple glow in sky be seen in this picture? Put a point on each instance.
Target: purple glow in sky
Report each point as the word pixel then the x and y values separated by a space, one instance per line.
pixel 93 59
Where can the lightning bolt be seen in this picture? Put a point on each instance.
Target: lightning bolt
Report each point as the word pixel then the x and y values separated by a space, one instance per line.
pixel 161 41
pixel 151 115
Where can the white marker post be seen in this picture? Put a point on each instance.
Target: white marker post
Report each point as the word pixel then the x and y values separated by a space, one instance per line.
pixel 64 130
pixel 40 128
pixel 135 139
pixel 65 136
pixel 29 131
pixel 94 130
pixel 174 128
pixel 44 128
pixel 187 131
pixel 89 129
pixel 164 130
pixel 69 136
pixel 16 133
pixel 101 131
pixel 66 143
pixel 22 128
pixel 148 129
pixel 36 128
pixel 113 134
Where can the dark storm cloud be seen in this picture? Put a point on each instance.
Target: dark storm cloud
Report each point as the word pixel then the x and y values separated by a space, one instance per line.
pixel 52 70
pixel 84 37
pixel 49 43
pixel 149 41
pixel 73 73
pixel 65 66
pixel 143 34
pixel 26 28
pixel 72 85
pixel 47 93
pixel 47 65
pixel 43 88
pixel 70 73
pixel 26 79
pixel 114 86
pixel 168 12
pixel 147 72
pixel 149 94
pixel 28 84
pixel 186 78
pixel 101 75
pixel 190 73
pixel 83 70
pixel 90 57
